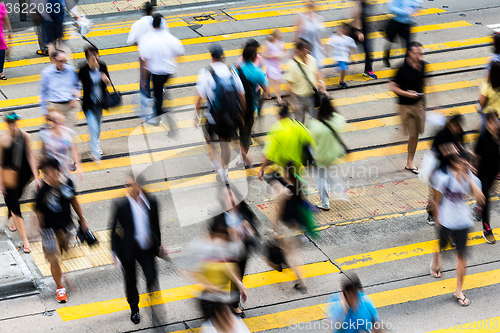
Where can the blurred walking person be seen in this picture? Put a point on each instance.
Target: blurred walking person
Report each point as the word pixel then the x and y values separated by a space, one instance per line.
pixel 19 164
pixel 453 216
pixel 36 17
pixel 58 142
pixel 488 153
pixel 309 26
pixel 361 29
pixel 275 53
pixel 304 78
pixel 140 28
pixel 224 321
pixel 352 308
pixel 342 46
pixel 489 97
pixel 53 210
pixel 409 85
pixel 400 24
pixel 495 57
pixel 135 236
pixel 223 90
pixel 159 50
pixel 4 24
pixel 60 88
pixel 325 130
pixel 253 79
pixel 211 261
pixel 95 78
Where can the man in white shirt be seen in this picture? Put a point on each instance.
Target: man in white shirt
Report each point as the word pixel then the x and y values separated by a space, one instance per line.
pixel 158 49
pixel 205 87
pixel 140 28
pixel 135 236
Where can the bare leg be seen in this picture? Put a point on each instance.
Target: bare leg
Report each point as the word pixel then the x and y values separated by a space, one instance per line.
pixel 19 223
pixel 277 91
pixel 412 148
pixel 55 269
pixel 293 258
pixel 435 264
pixel 461 270
pixel 342 76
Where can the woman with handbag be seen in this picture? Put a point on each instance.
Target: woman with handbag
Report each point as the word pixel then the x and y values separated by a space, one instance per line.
pixel 95 78
pixel 329 147
pixel 18 165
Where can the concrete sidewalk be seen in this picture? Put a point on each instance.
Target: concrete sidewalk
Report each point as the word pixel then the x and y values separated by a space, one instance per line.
pixel 15 277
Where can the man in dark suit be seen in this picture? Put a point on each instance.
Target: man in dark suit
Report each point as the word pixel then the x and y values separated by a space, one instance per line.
pixel 135 236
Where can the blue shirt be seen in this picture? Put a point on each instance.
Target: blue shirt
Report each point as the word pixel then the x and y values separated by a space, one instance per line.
pixel 57 86
pixel 256 77
pixel 403 9
pixel 359 320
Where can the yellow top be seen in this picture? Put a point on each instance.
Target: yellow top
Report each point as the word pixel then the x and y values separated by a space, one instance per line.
pixel 493 97
pixel 296 78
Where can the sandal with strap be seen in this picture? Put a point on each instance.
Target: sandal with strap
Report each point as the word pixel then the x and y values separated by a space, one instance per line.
pixel 463 301
pixel 2 77
pixel 435 272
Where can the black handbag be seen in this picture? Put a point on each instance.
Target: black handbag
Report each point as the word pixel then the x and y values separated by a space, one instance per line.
pixel 86 237
pixel 317 93
pixel 114 98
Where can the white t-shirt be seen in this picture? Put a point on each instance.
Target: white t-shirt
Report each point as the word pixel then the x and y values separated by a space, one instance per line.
pixel 141 27
pixel 341 47
pixel 453 212
pixel 205 85
pixel 239 327
pixel 159 48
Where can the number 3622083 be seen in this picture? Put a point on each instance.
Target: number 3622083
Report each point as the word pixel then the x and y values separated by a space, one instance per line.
pixel 32 8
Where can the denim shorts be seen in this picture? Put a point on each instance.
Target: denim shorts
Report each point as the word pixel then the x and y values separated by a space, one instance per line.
pixel 343 65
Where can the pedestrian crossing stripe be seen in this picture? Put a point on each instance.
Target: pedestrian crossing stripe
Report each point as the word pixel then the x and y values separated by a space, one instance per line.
pixel 196 40
pixel 495 27
pixel 190 100
pixel 236 174
pixel 283 319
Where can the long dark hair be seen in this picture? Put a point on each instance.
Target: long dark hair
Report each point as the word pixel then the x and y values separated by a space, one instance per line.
pixel 494 76
pixel 496 43
pixel 326 110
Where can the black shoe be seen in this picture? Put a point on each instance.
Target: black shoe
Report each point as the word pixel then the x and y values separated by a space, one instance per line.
pixel 386 58
pixel 135 317
pixel 430 219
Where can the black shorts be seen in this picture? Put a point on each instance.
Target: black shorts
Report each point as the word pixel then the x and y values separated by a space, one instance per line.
pixel 460 239
pixel 223 132
pixel 395 28
pixel 52 30
pixel 12 202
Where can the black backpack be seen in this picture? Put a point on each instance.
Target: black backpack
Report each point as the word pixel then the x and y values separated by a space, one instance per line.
pixel 225 108
pixel 249 90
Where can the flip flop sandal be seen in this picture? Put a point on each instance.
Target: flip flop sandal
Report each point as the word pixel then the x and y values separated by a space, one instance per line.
pixel 2 77
pixel 239 314
pixel 303 290
pixel 436 272
pixel 464 303
pixel 26 250
pixel 414 170
pixel 12 228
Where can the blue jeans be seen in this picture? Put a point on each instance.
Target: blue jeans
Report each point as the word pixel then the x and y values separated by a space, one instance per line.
pixel 2 60
pixel 94 121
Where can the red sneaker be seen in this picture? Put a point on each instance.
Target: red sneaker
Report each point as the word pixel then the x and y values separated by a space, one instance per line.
pixel 61 295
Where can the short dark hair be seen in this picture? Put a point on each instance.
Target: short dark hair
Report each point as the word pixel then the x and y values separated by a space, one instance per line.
pixel 249 53
pixel 56 53
pixel 494 76
pixel 352 283
pixel 252 43
pixel 90 49
pixel 284 111
pixel 457 119
pixel 413 45
pixel 496 43
pixel 326 108
pixel 218 225
pixel 302 44
pixel 346 27
pixel 148 8
pixel 50 162
pixel 157 20
pixel 12 117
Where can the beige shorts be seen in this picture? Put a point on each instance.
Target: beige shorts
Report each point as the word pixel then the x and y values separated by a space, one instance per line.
pixel 66 110
pixel 413 118
pixel 52 246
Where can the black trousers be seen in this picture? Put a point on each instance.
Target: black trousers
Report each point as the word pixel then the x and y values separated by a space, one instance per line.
pixel 367 47
pixel 486 183
pixel 395 28
pixel 242 264
pixel 158 83
pixel 147 261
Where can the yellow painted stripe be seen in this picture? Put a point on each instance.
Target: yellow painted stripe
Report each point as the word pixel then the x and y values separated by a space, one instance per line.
pixel 385 298
pixel 198 40
pixel 181 293
pixel 490 325
pixel 182 101
pixel 402 252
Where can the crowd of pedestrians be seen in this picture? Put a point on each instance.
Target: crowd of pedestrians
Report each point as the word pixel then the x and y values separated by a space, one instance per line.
pixel 307 133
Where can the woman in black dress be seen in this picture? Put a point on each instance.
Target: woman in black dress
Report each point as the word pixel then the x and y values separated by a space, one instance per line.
pixel 18 165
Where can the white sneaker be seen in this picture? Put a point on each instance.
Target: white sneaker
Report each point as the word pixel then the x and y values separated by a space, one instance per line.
pixel 321 206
